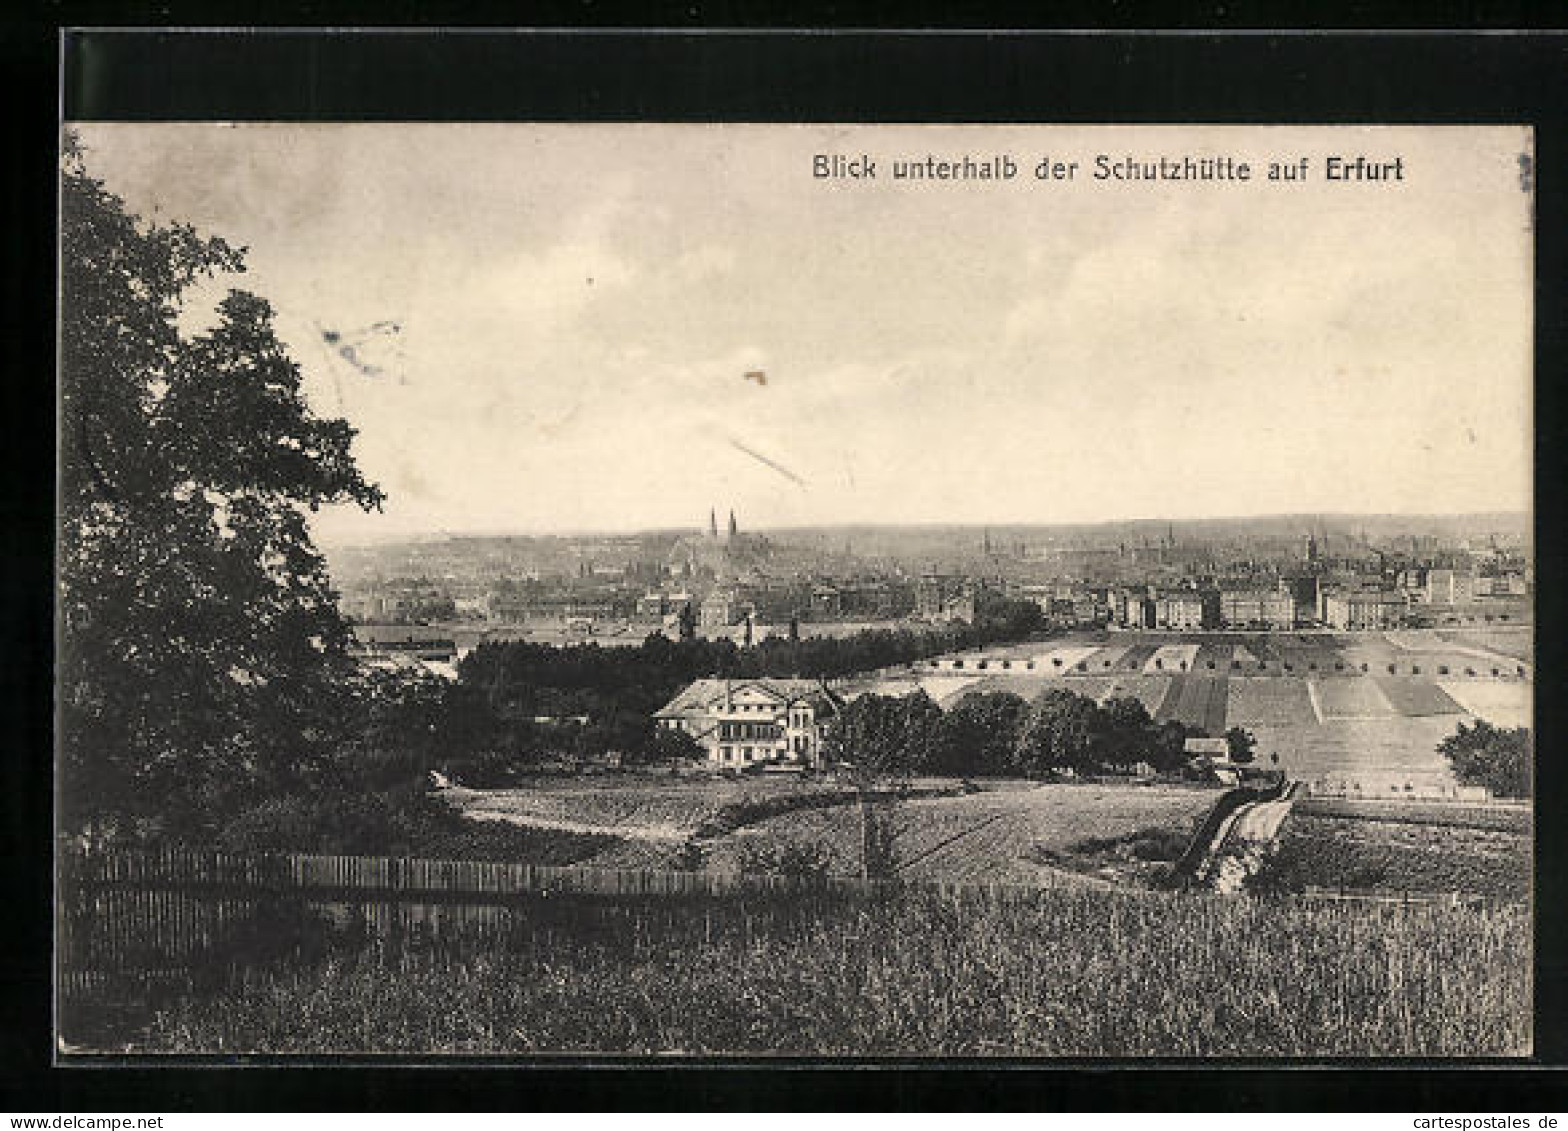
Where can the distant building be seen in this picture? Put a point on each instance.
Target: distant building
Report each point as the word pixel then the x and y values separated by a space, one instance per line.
pixel 654 605
pixel 1306 592
pixel 1139 612
pixel 1449 587
pixel 1179 610
pixel 719 609
pixel 1364 609
pixel 1257 608
pixel 751 722
pixel 944 598
pixel 403 640
pixel 826 602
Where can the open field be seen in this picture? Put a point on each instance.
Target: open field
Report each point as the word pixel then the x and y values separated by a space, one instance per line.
pixel 1352 699
pixel 650 806
pixel 1382 754
pixel 1492 816
pixel 1498 703
pixel 1516 643
pixel 639 821
pixel 1017 832
pixel 1354 707
pixel 1196 701
pixel 1263 702
pixel 1150 690
pixel 1415 698
pixel 1388 855
pixel 1069 973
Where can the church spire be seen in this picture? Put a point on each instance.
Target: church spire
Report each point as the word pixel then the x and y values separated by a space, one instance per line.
pixel 733 529
pixel 713 523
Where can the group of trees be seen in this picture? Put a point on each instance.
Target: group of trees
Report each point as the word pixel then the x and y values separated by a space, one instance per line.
pixel 1499 759
pixel 999 733
pixel 505 689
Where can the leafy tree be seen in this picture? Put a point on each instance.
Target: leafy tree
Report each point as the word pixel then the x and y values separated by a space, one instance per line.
pixel 1063 731
pixel 1501 760
pixel 1168 745
pixel 674 746
pixel 1128 728
pixel 202 661
pixel 980 733
pixel 884 738
pixel 880 741
pixel 1243 745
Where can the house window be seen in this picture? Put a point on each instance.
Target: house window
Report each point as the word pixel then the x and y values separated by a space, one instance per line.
pixel 1006 665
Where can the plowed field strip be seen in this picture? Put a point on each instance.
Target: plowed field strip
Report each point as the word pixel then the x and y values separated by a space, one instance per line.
pixel 945 841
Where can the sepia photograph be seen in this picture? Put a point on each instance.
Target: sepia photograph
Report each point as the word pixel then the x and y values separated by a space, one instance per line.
pixel 698 590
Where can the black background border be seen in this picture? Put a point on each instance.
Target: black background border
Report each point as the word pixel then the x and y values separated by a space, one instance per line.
pixel 1214 73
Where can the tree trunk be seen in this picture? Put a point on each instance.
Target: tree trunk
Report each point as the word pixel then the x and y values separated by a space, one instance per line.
pixel 865 836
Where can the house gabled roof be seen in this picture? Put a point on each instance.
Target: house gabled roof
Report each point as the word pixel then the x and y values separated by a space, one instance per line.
pixel 822 703
pixel 701 696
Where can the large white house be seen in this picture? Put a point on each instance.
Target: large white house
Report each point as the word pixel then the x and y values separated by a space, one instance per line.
pixel 744 722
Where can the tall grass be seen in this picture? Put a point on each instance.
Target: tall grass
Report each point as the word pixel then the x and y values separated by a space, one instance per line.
pixel 1072 973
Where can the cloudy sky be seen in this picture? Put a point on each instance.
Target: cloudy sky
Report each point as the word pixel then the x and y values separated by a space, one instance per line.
pixel 577 310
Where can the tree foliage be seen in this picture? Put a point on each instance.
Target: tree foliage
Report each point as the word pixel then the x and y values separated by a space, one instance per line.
pixel 1243 745
pixel 202 660
pixel 979 735
pixel 1064 731
pixel 1501 760
pixel 885 738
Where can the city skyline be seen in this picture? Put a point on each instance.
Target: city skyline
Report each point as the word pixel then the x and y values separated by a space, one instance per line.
pixel 1301 523
pixel 610 329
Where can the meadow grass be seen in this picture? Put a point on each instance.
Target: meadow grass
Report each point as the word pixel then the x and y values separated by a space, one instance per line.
pixel 1361 854
pixel 1064 973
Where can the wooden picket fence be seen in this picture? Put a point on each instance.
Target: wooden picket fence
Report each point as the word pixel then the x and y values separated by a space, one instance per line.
pixel 155 914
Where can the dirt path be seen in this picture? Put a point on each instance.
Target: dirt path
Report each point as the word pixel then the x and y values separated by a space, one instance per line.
pixel 1242 842
pixel 464 800
pixel 664 833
